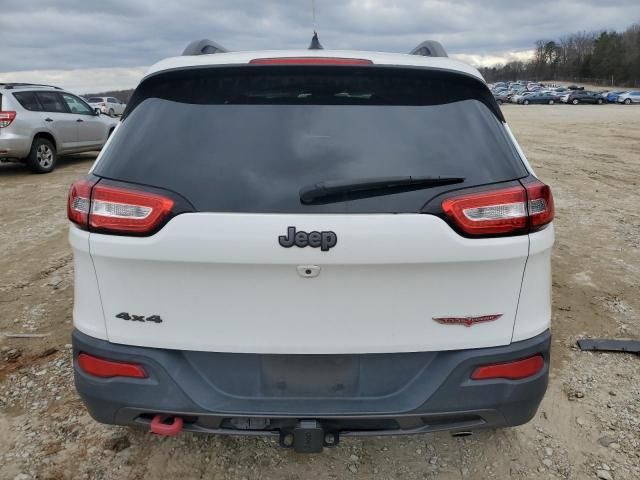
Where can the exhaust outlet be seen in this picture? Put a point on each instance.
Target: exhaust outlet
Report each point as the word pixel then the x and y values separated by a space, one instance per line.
pixel 166 425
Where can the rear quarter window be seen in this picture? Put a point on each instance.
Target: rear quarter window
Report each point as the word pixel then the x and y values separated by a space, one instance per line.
pixel 28 100
pixel 249 139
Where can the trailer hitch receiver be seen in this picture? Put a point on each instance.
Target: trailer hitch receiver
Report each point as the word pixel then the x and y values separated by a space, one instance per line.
pixel 307 437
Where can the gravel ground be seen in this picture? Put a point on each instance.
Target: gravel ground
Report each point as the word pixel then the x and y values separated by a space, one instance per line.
pixel 587 427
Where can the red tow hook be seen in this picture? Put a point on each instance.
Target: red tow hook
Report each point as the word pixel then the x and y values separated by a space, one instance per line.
pixel 160 425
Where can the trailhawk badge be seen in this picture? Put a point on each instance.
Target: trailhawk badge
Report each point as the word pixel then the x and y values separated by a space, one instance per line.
pixel 324 240
pixel 467 321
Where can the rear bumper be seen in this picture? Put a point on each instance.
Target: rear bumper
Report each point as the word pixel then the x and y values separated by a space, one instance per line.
pixel 370 394
pixel 14 146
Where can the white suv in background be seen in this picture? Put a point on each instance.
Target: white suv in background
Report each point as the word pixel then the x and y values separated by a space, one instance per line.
pixel 108 105
pixel 308 244
pixel 38 123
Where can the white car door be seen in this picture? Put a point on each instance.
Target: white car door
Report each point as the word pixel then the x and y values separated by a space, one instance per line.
pixel 92 132
pixel 113 105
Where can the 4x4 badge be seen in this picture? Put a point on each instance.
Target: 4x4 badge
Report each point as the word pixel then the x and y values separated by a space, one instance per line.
pixel 324 240
pixel 139 318
pixel 467 321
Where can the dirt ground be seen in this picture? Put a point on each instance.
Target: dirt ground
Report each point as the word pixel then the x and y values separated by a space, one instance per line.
pixel 587 427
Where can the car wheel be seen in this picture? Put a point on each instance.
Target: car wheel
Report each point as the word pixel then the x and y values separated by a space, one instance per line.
pixel 112 113
pixel 551 102
pixel 599 101
pixel 575 101
pixel 627 101
pixel 525 102
pixel 499 102
pixel 42 157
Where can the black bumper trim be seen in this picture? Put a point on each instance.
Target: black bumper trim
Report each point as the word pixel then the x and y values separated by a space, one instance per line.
pixel 209 390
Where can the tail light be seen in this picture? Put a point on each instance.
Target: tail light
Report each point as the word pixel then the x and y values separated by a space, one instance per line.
pixel 310 61
pixel 79 202
pixel 6 118
pixel 100 367
pixel 127 211
pixel 541 208
pixel 505 211
pixel 108 209
pixel 516 370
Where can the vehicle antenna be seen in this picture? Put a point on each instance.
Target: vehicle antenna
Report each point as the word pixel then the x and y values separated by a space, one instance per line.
pixel 315 43
pixel 313 14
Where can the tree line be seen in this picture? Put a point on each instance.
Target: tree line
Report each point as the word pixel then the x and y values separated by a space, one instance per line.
pixel 602 58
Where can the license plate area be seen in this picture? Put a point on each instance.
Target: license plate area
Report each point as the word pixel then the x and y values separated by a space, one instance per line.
pixel 310 376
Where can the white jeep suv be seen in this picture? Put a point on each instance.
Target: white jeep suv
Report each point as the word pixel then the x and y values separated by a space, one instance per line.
pixel 38 123
pixel 309 244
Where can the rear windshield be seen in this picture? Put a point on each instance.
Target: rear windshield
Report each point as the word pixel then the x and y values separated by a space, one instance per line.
pixel 249 139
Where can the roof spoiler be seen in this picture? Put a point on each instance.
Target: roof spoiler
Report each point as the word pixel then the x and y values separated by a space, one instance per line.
pixel 204 47
pixel 429 48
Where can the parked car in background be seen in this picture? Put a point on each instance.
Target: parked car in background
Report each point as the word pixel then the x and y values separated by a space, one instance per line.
pixel 612 97
pixel 540 98
pixel 629 97
pixel 501 97
pixel 583 96
pixel 518 97
pixel 575 87
pixel 510 93
pixel 108 105
pixel 38 123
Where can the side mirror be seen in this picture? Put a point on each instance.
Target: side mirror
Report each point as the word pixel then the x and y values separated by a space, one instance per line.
pixel 97 112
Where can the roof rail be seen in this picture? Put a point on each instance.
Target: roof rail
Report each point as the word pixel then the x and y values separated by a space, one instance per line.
pixel 204 47
pixel 429 48
pixel 11 85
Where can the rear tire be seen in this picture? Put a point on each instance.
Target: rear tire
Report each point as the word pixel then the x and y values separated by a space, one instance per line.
pixel 42 157
pixel 575 101
pixel 627 101
pixel 499 102
pixel 525 102
pixel 599 101
pixel 551 102
pixel 112 113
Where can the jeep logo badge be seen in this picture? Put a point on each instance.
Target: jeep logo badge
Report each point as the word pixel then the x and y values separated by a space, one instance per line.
pixel 324 240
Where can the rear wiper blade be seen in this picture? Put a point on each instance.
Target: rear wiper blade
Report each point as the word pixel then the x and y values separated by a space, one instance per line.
pixel 336 191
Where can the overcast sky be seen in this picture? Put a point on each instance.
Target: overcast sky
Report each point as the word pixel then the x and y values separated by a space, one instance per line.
pixel 93 45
